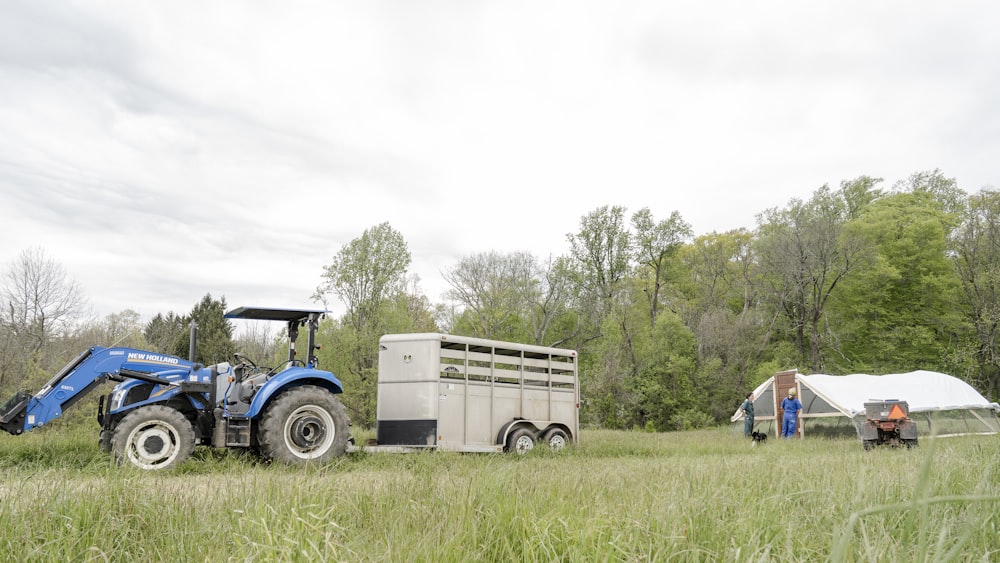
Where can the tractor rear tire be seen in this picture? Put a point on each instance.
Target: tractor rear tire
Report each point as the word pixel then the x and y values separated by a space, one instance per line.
pixel 153 437
pixel 302 425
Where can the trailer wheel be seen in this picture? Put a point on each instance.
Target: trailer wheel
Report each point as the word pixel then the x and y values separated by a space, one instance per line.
pixel 304 424
pixel 556 439
pixel 153 437
pixel 521 441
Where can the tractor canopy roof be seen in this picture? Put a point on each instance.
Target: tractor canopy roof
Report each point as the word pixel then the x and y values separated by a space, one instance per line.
pixel 273 314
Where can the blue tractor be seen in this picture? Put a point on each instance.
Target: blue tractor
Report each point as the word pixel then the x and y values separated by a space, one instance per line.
pixel 163 406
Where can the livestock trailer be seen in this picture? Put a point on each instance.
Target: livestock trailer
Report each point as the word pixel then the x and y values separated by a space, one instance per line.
pixel 440 391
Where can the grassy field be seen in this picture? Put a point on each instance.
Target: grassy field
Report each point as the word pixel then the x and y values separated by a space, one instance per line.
pixel 617 496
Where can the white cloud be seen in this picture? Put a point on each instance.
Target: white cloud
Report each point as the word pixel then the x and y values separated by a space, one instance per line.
pixel 165 151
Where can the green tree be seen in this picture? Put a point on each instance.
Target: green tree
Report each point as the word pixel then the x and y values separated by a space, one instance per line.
pixel 664 387
pixel 859 193
pixel 604 294
pixel 732 322
pixel 171 333
pixel 607 383
pixel 945 191
pixel 656 243
pixel 899 313
pixel 976 256
pixel 215 332
pixel 368 275
pixel 552 319
pixel 365 272
pixel 601 248
pixel 164 331
pixel 496 291
pixel 805 253
pixel 719 271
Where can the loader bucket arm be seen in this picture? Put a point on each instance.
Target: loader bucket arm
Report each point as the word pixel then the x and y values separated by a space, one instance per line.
pixel 88 370
pixel 13 412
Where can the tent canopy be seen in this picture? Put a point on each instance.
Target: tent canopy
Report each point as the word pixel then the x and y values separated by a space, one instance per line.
pixel 924 391
pixel 846 395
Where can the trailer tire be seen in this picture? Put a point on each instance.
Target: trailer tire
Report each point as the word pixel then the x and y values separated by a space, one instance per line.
pixel 304 424
pixel 521 441
pixel 153 437
pixel 556 439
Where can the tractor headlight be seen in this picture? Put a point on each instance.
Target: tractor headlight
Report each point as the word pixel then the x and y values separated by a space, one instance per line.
pixel 117 398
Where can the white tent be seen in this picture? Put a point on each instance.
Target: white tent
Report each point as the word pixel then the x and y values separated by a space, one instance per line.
pixel 940 403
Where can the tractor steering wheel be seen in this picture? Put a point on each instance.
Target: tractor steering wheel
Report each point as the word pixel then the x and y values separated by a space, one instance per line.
pixel 242 360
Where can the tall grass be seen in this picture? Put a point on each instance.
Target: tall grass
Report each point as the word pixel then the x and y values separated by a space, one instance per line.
pixel 616 496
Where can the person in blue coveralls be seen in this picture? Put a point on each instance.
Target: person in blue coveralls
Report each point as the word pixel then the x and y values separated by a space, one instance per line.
pixel 747 408
pixel 791 405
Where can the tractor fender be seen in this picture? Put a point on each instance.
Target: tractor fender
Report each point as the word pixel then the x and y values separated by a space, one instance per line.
pixel 292 377
pixel 157 395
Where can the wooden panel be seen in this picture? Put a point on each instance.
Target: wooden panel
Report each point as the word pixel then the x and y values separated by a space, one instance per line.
pixel 783 381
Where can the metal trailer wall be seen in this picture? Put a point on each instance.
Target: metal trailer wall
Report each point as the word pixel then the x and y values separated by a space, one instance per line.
pixel 463 393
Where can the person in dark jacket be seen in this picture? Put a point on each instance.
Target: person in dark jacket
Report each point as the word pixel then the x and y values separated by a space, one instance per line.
pixel 747 408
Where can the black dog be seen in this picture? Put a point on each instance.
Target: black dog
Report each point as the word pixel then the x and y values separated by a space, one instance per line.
pixel 758 438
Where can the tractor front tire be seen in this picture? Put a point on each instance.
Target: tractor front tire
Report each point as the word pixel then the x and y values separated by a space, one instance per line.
pixel 153 437
pixel 304 424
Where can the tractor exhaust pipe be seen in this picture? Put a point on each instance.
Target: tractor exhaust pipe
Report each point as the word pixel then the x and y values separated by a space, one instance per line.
pixel 193 346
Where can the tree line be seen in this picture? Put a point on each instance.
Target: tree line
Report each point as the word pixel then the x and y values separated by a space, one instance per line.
pixel 672 329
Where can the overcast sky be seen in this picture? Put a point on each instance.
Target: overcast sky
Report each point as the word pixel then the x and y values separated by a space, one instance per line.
pixel 160 151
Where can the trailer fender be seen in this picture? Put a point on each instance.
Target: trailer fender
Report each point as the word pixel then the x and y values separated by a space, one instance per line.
pixel 507 429
pixel 289 378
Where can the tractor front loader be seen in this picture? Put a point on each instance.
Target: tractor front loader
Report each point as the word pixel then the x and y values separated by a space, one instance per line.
pixel 163 406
